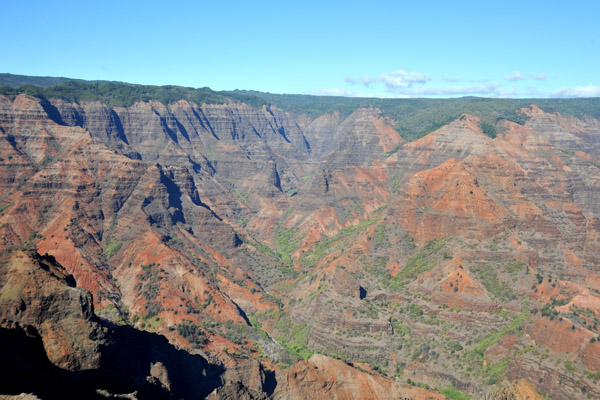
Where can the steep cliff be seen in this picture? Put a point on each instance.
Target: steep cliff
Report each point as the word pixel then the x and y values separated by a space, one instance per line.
pixel 54 346
pixel 240 231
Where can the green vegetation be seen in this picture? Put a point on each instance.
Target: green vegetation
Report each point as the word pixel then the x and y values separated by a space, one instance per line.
pixel 240 333
pixel 453 394
pixel 298 344
pixel 415 310
pixel 287 242
pixel 423 260
pixel 595 376
pixel 149 322
pixel 153 308
pixel 292 336
pixel 570 367
pixel 15 81
pixel 380 237
pixel 11 290
pixel 29 244
pixel 395 182
pixel 488 129
pixel 111 249
pixel 124 94
pixel 423 353
pixel 549 309
pixel 46 161
pixel 149 288
pixel 241 196
pixel 4 206
pixel 282 266
pixel 259 246
pixel 486 342
pixel 400 328
pixel 515 267
pixel 489 278
pixel 454 347
pixel 419 262
pixel 492 338
pixel 495 372
pixel 568 152
pixel 329 245
pixel 413 118
pixel 192 333
pixel 117 313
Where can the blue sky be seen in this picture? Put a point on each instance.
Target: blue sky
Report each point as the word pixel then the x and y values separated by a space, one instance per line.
pixel 368 48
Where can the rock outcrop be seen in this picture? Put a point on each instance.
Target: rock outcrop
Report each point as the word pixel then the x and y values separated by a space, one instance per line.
pixel 321 377
pixel 39 297
pixel 54 346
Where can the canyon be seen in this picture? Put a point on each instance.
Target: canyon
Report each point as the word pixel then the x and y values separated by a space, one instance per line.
pixel 232 249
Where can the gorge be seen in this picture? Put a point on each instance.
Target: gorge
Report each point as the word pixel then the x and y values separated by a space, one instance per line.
pixel 166 242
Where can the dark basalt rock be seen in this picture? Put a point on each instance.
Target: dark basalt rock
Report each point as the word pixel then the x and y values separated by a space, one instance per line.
pixel 54 346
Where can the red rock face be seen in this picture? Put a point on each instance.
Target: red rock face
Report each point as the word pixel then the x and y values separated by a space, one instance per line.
pixel 454 260
pixel 321 377
pixel 40 296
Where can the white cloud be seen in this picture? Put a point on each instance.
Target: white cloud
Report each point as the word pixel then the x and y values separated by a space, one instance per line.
pixel 401 83
pixel 511 92
pixel 332 92
pixel 396 79
pixel 515 76
pixel 518 76
pixel 538 77
pixel 349 93
pixel 489 89
pixel 532 91
pixel 577 91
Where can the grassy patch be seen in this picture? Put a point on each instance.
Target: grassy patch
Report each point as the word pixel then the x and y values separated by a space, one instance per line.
pixel 400 328
pixel 418 263
pixel 495 373
pixel 11 292
pixel 492 338
pixel 297 349
pixel 380 237
pixel 487 342
pixel 112 248
pixel 515 267
pixel 570 367
pixel 329 245
pixel 46 161
pixel 261 247
pixel 489 278
pixel 287 242
pixel 292 337
pixel 4 206
pixel 453 394
pixel 395 182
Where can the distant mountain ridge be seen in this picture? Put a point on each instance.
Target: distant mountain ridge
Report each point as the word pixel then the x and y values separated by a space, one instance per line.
pixel 412 118
pixel 15 81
